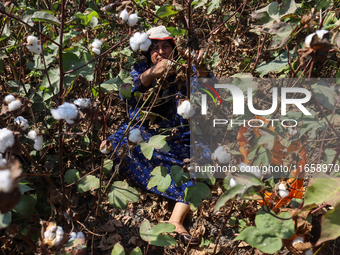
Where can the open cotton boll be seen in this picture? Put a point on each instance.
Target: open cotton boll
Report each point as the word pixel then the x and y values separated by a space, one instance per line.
pixel 321 33
pixel 298 239
pixel 83 102
pixel 221 155
pixel 34 48
pixel 96 51
pixel 80 235
pixel 6 139
pixel 9 99
pixel 185 109
pixel 59 235
pixel 32 40
pixel 124 15
pixel 73 236
pixel 6 181
pixel 14 105
pixel 66 111
pixel 142 38
pixel 145 46
pixel 135 136
pixel 49 234
pixel 38 144
pixel 21 122
pixel 283 192
pixel 232 182
pixel 308 39
pixel 32 135
pixel 132 20
pixel 134 44
pixel 3 161
pixel 97 44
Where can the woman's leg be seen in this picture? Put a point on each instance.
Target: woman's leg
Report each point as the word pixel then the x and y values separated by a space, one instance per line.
pixel 177 217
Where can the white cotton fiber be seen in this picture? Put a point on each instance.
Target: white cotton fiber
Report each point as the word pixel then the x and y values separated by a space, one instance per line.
pixel 135 136
pixel 34 48
pixel 221 155
pixel 59 235
pixel 32 40
pixel 6 139
pixel 6 181
pixel 142 38
pixel 9 98
pixel 21 122
pixel 232 182
pixel 283 192
pixel 14 105
pixel 66 111
pixel 134 44
pixel 3 161
pixel 321 33
pixel 308 39
pixel 97 44
pixel 96 51
pixel 298 239
pixel 38 143
pixel 132 20
pixel 80 235
pixel 32 135
pixel 73 236
pixel 186 110
pixel 83 102
pixel 124 15
pixel 145 46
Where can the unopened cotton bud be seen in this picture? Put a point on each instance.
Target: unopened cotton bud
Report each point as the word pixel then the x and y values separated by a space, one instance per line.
pixel 135 136
pixel 9 98
pixel 14 105
pixel 298 239
pixel 97 44
pixel 3 161
pixel 96 51
pixel 83 102
pixel 66 111
pixel 145 46
pixel 142 38
pixel 6 139
pixel 124 15
pixel 6 181
pixel 232 182
pixel 221 155
pixel 283 192
pixel 38 143
pixel 32 40
pixel 21 122
pixel 185 109
pixel 32 135
pixel 132 20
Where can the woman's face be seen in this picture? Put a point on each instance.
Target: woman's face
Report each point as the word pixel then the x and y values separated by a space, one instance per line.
pixel 161 50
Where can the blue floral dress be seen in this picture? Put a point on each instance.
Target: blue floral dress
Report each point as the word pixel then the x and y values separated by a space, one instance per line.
pixel 137 166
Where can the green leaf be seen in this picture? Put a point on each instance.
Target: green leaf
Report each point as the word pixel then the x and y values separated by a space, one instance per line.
pixel 154 235
pixel 118 249
pixel 155 142
pixel 115 83
pixel 5 219
pixel 72 61
pixel 46 88
pixel 330 223
pixel 287 7
pixel 121 193
pixel 26 205
pixel 45 16
pixel 107 167
pixel 278 63
pixel 165 11
pixel 325 94
pixel 196 194
pixel 269 231
pixel 207 175
pixel 178 175
pixel 24 188
pixel 136 251
pixel 89 182
pixel 214 5
pixel 323 190
pixel 228 195
pixel 160 178
pixel 273 10
pixel 86 17
pixel 6 32
pixel 176 31
pixel 72 176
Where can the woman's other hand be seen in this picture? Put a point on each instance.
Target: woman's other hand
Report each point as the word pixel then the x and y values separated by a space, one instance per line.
pixel 161 68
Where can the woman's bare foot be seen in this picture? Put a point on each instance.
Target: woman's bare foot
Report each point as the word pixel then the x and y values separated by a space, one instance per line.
pixel 179 228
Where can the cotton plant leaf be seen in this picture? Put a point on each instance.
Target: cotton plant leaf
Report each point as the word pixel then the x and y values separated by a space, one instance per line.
pixel 121 193
pixel 160 179
pixel 118 249
pixel 330 223
pixel 89 182
pixel 155 142
pixel 178 175
pixel 154 235
pixel 196 194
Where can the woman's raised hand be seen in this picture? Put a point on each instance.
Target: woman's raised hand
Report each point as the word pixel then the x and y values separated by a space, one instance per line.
pixel 162 67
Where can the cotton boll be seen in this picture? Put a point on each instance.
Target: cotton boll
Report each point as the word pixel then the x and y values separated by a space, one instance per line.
pixel 14 105
pixel 96 51
pixel 73 236
pixel 185 109
pixel 6 139
pixel 59 235
pixel 38 144
pixel 104 150
pixel 221 155
pixel 66 111
pixel 142 38
pixel 50 234
pixel 21 122
pixel 134 44
pixel 321 33
pixel 80 235
pixel 124 15
pixel 32 40
pixel 9 99
pixel 308 39
pixel 97 44
pixel 6 181
pixel 232 182
pixel 145 46
pixel 34 48
pixel 132 20
pixel 135 136
pixel 83 102
pixel 298 239
pixel 32 135
pixel 3 161
pixel 283 192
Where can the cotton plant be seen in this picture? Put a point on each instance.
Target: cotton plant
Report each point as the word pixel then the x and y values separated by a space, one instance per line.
pixel 21 122
pixel 33 45
pixel 185 109
pixel 96 46
pixel 83 102
pixel 66 111
pixel 320 34
pixel 6 181
pixel 283 192
pixel 140 41
pixel 38 140
pixel 6 139
pixel 53 235
pixel 221 155
pixel 135 136
pixel 130 19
